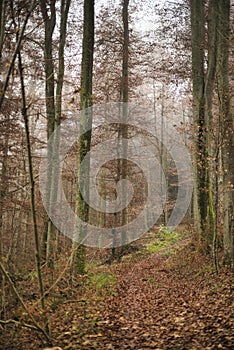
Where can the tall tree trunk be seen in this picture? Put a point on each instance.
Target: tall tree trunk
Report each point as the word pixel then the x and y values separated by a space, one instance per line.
pixel 64 11
pixel 82 208
pixel 49 18
pixel 212 159
pixel 32 181
pixel 121 218
pixel 226 118
pixel 55 119
pixel 124 126
pixel 201 198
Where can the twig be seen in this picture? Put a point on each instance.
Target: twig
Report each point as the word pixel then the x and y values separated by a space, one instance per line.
pixel 22 324
pixel 17 48
pixel 9 280
pixel 58 279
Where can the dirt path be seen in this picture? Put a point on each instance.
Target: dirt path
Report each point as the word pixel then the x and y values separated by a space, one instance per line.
pixel 161 301
pixel 159 307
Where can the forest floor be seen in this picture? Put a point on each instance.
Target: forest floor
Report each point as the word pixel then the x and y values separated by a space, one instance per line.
pixel 169 298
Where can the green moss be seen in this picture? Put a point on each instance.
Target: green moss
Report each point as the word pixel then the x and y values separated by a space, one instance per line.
pixel 151 280
pixel 169 252
pixel 103 281
pixel 163 239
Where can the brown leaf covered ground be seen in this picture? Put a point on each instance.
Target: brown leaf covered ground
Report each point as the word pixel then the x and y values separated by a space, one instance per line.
pixel 158 301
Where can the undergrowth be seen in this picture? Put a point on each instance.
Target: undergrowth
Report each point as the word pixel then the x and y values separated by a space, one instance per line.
pixel 164 239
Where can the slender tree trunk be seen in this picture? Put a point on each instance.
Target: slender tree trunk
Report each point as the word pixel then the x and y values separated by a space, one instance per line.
pixel 124 126
pixel 163 160
pixel 3 179
pixel 212 159
pixel 49 25
pixel 3 190
pixel 226 118
pixel 49 17
pixel 51 230
pixel 2 25
pixel 201 197
pixel 32 182
pixel 82 208
pixel 121 218
pixel 125 64
pixel 64 11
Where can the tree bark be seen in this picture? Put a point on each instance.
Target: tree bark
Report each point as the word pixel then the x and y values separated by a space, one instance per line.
pixel 82 208
pixel 51 230
pixel 201 170
pixel 2 25
pixel 125 100
pixel 213 155
pixel 49 25
pixel 32 182
pixel 226 119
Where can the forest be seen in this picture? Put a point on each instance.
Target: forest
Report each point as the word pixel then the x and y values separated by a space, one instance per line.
pixel 116 174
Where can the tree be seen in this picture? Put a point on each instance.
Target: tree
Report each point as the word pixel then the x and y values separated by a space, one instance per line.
pixel 49 18
pixel 32 180
pixel 123 132
pixel 227 133
pixel 122 129
pixel 2 25
pixel 207 150
pixel 200 127
pixel 53 94
pixel 84 142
